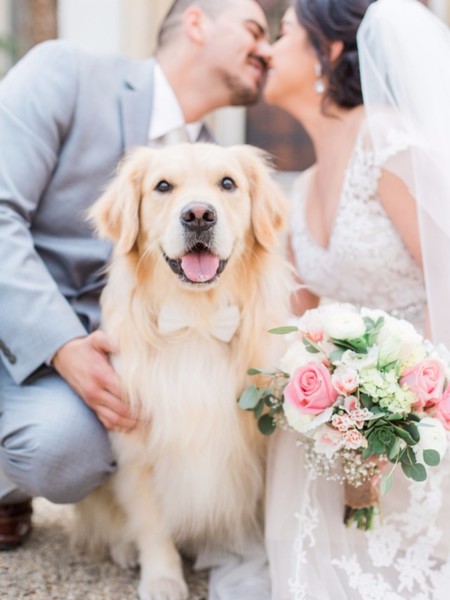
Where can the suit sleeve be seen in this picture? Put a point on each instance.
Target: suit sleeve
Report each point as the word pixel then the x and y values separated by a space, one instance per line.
pixel 37 100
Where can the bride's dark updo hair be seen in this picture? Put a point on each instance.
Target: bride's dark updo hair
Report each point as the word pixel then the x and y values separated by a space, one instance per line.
pixel 328 21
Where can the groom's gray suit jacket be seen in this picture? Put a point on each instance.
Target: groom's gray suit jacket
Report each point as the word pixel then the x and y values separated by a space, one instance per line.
pixel 66 119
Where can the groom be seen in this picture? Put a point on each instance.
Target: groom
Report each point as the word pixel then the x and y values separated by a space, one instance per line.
pixel 66 119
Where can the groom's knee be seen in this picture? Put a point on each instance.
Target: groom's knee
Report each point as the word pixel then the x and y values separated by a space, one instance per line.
pixel 61 454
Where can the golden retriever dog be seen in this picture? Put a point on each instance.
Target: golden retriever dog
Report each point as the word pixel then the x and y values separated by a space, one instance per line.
pixel 197 278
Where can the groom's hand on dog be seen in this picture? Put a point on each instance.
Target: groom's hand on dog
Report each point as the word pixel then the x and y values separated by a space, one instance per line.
pixel 84 364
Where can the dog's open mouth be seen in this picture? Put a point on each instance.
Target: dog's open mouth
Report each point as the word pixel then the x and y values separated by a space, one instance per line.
pixel 199 265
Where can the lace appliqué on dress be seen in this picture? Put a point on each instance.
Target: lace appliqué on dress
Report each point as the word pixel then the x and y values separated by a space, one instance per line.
pixel 408 544
pixel 307 520
pixel 366 261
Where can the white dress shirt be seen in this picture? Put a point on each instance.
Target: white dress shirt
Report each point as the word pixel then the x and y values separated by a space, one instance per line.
pixel 166 114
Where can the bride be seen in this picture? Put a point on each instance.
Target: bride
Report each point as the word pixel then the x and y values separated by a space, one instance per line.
pixel 370 83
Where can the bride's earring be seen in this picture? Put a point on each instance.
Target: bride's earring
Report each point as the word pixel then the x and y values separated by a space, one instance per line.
pixel 319 85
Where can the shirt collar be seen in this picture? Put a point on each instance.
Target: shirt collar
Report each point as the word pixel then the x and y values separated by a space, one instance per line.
pixel 166 114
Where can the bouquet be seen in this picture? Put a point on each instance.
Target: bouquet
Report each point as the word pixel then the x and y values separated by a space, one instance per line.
pixel 366 392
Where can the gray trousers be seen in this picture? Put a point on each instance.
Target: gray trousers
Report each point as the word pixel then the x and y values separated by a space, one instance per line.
pixel 51 443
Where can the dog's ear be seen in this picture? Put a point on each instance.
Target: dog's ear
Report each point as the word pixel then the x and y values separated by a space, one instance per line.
pixel 115 214
pixel 269 205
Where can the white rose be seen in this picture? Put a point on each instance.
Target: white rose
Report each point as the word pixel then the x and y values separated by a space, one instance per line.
pixel 297 420
pixel 344 324
pixel 433 436
pixel 296 356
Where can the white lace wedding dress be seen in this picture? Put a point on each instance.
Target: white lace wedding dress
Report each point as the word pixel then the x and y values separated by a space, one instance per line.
pixel 312 555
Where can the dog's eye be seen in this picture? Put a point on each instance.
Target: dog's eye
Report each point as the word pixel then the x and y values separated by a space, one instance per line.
pixel 164 187
pixel 228 184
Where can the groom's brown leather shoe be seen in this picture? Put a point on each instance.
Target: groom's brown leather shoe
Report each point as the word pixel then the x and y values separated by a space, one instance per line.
pixel 15 524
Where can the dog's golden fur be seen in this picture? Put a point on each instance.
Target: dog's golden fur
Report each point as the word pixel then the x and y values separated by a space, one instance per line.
pixel 192 473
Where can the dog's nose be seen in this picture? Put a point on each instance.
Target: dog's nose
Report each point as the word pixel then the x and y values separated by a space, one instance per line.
pixel 198 216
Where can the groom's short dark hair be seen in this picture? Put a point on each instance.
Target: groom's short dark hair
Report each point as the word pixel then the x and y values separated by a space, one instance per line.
pixel 174 16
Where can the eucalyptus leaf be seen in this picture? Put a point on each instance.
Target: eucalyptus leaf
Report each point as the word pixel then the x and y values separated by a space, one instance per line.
pixel 394 450
pixel 266 425
pixel 259 409
pixel 431 457
pixel 310 346
pixel 358 345
pixel 413 417
pixel 336 355
pixel 283 330
pixel 407 437
pixel 417 472
pixel 386 484
pixel 249 398
pixel 413 431
pixel 394 417
pixel 260 372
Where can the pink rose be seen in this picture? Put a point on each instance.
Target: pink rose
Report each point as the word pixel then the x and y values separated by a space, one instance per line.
pixel 426 381
pixel 443 409
pixel 310 389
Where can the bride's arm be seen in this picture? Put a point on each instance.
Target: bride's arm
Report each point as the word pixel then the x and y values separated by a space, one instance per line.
pixel 302 299
pixel 401 207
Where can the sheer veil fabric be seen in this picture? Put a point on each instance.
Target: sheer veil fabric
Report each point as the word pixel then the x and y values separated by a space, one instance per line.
pixel 404 53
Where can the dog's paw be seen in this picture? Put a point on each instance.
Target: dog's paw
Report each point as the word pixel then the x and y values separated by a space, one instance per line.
pixel 125 555
pixel 163 589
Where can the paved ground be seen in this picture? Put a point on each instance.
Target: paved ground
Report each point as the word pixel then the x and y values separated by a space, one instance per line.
pixel 47 569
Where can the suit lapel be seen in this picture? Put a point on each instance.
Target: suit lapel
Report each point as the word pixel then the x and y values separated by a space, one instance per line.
pixel 136 103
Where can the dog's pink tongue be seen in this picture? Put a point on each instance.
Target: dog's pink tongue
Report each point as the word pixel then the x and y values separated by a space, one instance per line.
pixel 199 266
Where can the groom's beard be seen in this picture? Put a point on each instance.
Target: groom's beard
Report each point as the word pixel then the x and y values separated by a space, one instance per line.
pixel 241 94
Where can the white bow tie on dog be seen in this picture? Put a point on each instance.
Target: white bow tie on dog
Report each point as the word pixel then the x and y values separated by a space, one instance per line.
pixel 222 326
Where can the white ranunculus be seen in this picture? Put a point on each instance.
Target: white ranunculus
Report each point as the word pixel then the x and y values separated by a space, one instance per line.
pixel 296 356
pixel 356 361
pixel 433 436
pixel 344 324
pixel 297 420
